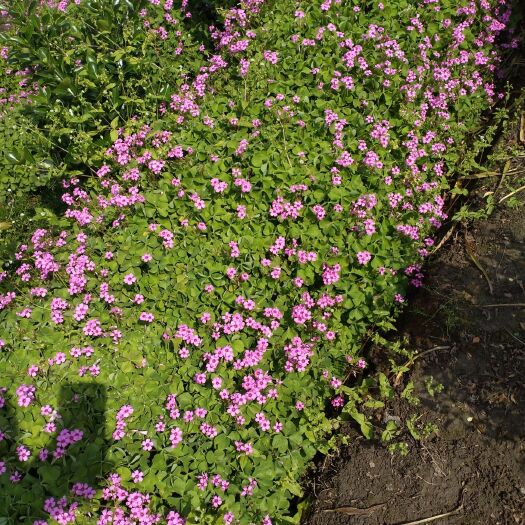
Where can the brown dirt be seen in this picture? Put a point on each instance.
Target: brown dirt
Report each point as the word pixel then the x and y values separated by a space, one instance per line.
pixel 477 460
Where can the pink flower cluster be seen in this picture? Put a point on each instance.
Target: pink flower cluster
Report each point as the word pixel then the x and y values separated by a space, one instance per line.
pixel 125 412
pixel 65 439
pixel 26 395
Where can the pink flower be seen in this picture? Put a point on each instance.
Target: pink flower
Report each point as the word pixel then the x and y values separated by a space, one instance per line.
pixel 130 279
pixel 234 249
pixel 301 314
pixel 276 272
pixel 363 257
pixel 338 402
pixel 137 476
pixel 32 370
pixel 319 212
pixel 208 430
pixel 175 436
pixel 200 378
pixel 147 444
pixel 46 410
pixel 174 518
pixel 201 412
pixel 219 186
pixel 271 56
pixel 147 317
pixel 23 453
pixel 331 273
pixel 205 317
pixel 298 282
pixel 26 395
pixel 241 212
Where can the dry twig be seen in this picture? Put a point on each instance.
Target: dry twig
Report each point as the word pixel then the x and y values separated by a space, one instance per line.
pixel 445 238
pixel 517 305
pixel 478 266
pixel 436 517
pixel 355 511
pixel 503 174
pixel 417 356
pixel 511 194
pixel 482 175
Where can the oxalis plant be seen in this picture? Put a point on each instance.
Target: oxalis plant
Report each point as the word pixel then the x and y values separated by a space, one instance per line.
pixel 80 72
pixel 172 344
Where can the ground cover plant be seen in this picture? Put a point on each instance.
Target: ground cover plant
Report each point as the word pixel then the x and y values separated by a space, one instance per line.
pixel 171 344
pixel 70 80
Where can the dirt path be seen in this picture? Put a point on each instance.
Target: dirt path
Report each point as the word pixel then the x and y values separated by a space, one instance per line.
pixel 476 463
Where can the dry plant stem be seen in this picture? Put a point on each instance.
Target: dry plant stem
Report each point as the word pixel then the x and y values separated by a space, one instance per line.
pixel 438 466
pixel 506 168
pixel 478 266
pixel 445 238
pixel 413 358
pixel 433 518
pixel 433 349
pixel 511 194
pixel 285 144
pixel 517 305
pixel 355 511
pixel 483 175
pixel 514 337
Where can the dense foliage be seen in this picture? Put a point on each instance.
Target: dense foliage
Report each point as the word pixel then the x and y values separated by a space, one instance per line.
pixel 185 325
pixel 84 74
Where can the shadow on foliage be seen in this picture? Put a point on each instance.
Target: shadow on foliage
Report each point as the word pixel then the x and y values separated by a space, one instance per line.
pixel 81 406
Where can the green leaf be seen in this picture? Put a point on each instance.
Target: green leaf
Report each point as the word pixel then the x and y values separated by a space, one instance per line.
pixel 238 346
pixel 366 428
pixel 293 487
pixel 259 158
pixel 280 443
pixel 386 391
pixel 13 157
pixel 49 473
pixel 408 394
